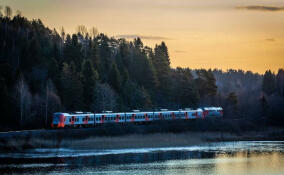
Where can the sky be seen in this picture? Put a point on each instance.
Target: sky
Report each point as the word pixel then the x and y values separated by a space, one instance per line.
pixel 222 34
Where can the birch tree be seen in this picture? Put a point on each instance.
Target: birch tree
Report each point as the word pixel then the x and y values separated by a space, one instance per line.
pixel 24 99
pixel 105 98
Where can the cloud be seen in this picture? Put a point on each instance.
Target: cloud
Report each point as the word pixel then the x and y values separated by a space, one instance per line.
pixel 145 37
pixel 262 8
pixel 270 39
pixel 180 51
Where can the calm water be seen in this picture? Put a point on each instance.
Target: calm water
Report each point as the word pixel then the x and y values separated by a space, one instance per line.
pixel 252 158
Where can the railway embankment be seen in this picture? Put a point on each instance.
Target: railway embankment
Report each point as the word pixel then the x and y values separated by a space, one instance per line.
pixel 133 136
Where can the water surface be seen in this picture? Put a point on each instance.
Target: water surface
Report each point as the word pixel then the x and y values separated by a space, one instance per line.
pixel 251 158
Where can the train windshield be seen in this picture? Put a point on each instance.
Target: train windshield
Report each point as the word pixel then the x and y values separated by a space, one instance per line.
pixel 56 118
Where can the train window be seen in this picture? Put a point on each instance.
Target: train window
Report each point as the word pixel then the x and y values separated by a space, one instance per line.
pixel 69 119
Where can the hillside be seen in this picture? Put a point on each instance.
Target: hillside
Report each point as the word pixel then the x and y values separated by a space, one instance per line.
pixel 43 71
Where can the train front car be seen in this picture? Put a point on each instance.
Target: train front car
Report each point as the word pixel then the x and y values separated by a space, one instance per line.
pixel 58 120
pixel 74 119
pixel 213 112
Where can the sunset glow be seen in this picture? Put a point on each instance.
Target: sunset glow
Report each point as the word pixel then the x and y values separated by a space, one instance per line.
pixel 223 34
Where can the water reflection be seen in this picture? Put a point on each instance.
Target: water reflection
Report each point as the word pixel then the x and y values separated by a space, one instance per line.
pixel 218 158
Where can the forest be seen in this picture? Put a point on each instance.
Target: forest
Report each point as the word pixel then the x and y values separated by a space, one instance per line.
pixel 43 71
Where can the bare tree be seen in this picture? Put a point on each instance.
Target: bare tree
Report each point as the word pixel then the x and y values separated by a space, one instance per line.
pixel 18 13
pixel 94 32
pixel 82 30
pixel 8 11
pixel 24 98
pixel 83 38
pixel 1 14
pixel 62 33
pixel 105 98
pixel 52 101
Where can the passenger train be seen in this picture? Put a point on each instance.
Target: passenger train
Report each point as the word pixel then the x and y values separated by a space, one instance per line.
pixel 88 119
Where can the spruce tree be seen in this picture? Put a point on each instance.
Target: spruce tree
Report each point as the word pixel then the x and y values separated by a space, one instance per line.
pixel 268 83
pixel 89 78
pixel 115 77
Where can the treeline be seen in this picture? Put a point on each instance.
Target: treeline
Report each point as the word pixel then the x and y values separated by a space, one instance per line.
pixel 257 99
pixel 43 71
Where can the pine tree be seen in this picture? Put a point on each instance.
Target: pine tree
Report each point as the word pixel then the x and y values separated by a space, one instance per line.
pixel 72 90
pixel 268 83
pixel 280 82
pixel 188 93
pixel 115 77
pixel 89 78
pixel 206 83
pixel 161 64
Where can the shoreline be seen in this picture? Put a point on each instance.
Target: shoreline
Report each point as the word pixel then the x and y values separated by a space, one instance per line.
pixel 18 142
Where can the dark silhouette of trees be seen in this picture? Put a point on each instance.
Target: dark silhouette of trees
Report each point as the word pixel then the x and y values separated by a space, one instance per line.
pixel 89 79
pixel 43 71
pixel 268 84
pixel 115 77
pixel 280 82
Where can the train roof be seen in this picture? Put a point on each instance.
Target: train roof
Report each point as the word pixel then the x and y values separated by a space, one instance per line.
pixel 213 108
pixel 74 113
pixel 138 112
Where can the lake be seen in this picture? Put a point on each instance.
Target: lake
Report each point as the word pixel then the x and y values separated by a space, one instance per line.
pixel 243 157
